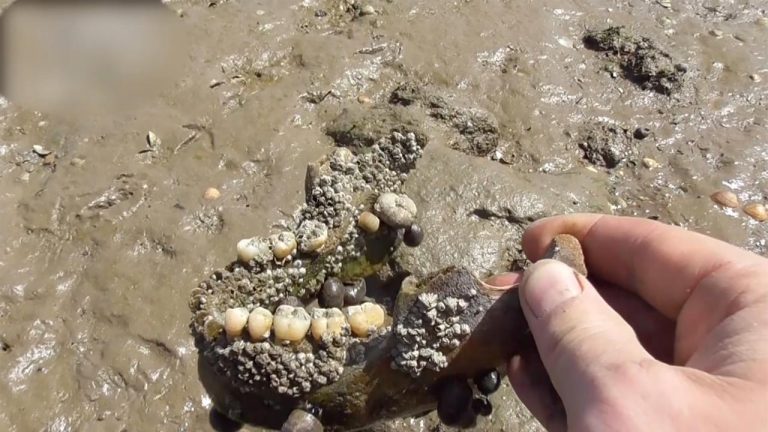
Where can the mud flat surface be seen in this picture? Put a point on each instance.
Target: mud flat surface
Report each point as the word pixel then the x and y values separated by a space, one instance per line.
pixel 103 241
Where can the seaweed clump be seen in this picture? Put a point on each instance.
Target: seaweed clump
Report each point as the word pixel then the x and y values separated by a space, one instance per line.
pixel 640 60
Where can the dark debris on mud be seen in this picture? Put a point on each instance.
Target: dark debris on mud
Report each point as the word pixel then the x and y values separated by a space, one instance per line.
pixel 478 130
pixel 604 144
pixel 640 60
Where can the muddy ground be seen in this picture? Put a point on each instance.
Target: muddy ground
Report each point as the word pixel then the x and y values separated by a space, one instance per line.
pixel 102 242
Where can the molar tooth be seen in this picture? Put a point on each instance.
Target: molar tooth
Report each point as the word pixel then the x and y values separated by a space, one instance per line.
pixel 364 318
pixel 254 248
pixel 259 324
pixel 327 321
pixel 235 320
pixel 291 323
pixel 283 244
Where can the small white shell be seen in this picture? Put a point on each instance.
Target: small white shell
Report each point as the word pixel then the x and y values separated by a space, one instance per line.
pixel 756 211
pixel 725 198
pixel 153 140
pixel 40 150
pixel 235 320
pixel 211 194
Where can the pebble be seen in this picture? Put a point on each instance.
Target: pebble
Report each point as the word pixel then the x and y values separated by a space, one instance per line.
pixel 756 211
pixel 211 194
pixel 368 222
pixel 77 162
pixel 763 21
pixel 367 10
pixel 567 249
pixel 650 163
pixel 301 421
pixel 725 198
pixel 642 133
pixel 364 100
pixel 716 33
pixel 413 236
pixel 397 211
pixel 755 77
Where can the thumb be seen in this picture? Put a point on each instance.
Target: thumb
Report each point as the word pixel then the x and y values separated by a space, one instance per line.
pixel 578 335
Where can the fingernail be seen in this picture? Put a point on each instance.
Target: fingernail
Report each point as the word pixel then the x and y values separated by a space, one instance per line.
pixel 548 284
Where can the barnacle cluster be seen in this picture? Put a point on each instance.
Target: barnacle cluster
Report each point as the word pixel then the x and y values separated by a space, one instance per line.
pixel 244 324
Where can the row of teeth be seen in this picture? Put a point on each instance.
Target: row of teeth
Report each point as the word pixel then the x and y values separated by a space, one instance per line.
pixel 292 324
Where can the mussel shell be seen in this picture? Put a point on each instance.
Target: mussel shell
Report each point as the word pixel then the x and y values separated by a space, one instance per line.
pixel 488 382
pixel 354 293
pixel 413 236
pixel 332 294
pixel 454 401
pixel 482 406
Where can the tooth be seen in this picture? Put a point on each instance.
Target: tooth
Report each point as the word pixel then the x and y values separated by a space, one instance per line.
pixel 327 321
pixel 234 322
pixel 364 318
pixel 291 323
pixel 259 324
pixel 254 248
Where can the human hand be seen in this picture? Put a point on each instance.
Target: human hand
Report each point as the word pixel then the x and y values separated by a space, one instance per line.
pixel 673 335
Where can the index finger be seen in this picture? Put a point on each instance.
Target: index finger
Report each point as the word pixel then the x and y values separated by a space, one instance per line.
pixel 661 263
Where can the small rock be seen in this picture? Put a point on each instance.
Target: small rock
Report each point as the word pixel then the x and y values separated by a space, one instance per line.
pixel 211 194
pixel 755 77
pixel 397 211
pixel 40 150
pixel 301 421
pixel 725 198
pixel 567 249
pixel 642 133
pixel 368 222
pixel 763 21
pixel 363 99
pixel 716 33
pixel 756 211
pixel 665 3
pixel 367 10
pixel 77 162
pixel 651 164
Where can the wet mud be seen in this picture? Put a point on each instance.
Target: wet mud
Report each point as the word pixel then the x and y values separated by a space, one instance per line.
pixel 105 235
